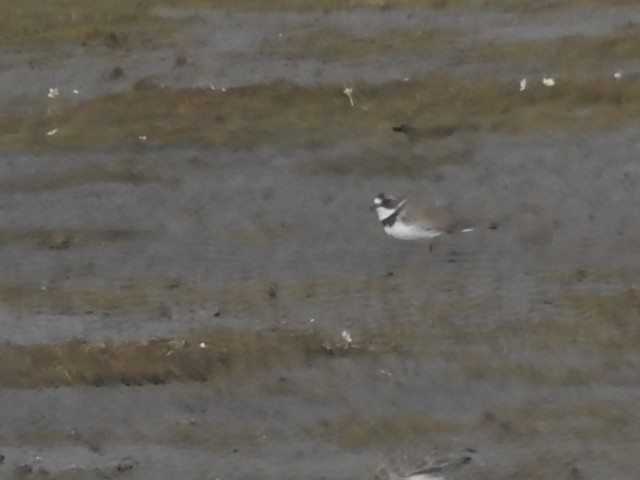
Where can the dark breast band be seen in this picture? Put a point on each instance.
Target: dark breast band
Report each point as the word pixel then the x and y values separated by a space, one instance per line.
pixel 391 219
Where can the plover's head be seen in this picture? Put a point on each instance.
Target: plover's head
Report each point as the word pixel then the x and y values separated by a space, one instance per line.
pixel 386 206
pixel 382 200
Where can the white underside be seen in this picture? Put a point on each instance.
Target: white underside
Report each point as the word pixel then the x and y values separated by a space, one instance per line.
pixel 403 231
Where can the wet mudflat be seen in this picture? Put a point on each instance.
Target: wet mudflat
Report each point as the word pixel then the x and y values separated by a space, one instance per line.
pixel 193 285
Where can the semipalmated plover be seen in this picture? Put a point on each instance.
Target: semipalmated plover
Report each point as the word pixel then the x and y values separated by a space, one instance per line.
pixel 405 221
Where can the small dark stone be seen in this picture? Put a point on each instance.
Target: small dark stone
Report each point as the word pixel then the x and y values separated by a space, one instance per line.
pixel 116 73
pixel 112 40
pixel 581 274
pixel 63 244
pixel 181 61
pixel 273 292
pixel 489 417
pixel 125 465
pixel 402 128
pixel 157 380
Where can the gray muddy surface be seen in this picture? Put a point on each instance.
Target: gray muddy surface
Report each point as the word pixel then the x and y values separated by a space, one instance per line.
pixel 517 342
